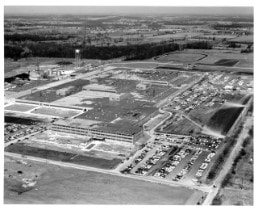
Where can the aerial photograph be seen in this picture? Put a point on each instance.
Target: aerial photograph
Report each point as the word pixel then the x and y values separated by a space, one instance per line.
pixel 128 105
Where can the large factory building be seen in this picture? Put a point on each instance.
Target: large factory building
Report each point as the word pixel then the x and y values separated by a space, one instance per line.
pixel 110 132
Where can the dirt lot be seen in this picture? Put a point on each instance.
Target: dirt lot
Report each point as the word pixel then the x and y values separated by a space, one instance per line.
pixel 57 185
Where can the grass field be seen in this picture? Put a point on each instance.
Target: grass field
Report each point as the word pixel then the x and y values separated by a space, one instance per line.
pixel 59 185
pixel 244 39
pixel 181 57
pixel 226 62
pixel 224 118
pixel 245 59
pixel 19 120
pixel 23 149
pixel 180 127
pixel 19 107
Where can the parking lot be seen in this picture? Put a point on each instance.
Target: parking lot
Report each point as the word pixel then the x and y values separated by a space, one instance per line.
pixel 14 131
pixel 174 160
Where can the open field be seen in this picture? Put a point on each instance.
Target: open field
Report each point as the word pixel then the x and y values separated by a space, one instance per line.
pixel 226 62
pixel 173 36
pixel 245 59
pixel 58 185
pixel 178 126
pixel 243 39
pixel 181 57
pixel 20 120
pixel 20 107
pixel 23 149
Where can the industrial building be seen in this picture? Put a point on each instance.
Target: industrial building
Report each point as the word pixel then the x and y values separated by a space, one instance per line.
pixel 126 133
pixel 65 91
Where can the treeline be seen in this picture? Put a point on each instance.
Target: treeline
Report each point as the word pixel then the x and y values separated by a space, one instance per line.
pixel 220 160
pixel 129 52
pixel 140 52
pixel 224 154
pixel 33 37
pixel 198 45
pixel 233 25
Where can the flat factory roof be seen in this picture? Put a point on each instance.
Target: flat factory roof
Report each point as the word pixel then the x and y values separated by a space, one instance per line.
pixel 120 127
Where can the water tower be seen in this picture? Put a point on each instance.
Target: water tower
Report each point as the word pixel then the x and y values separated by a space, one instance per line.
pixel 77 58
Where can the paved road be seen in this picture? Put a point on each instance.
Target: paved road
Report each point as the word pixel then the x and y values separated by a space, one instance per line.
pixel 227 166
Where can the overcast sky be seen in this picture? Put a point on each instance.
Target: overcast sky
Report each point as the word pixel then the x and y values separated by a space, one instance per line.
pixel 126 10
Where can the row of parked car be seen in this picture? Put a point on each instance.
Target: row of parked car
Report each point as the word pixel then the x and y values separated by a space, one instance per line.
pixel 188 166
pixel 172 163
pixel 204 165
pixel 160 152
pixel 203 142
pixel 14 131
pixel 138 159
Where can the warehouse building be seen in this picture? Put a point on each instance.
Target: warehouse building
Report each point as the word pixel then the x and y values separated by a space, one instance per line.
pixel 65 91
pixel 122 132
